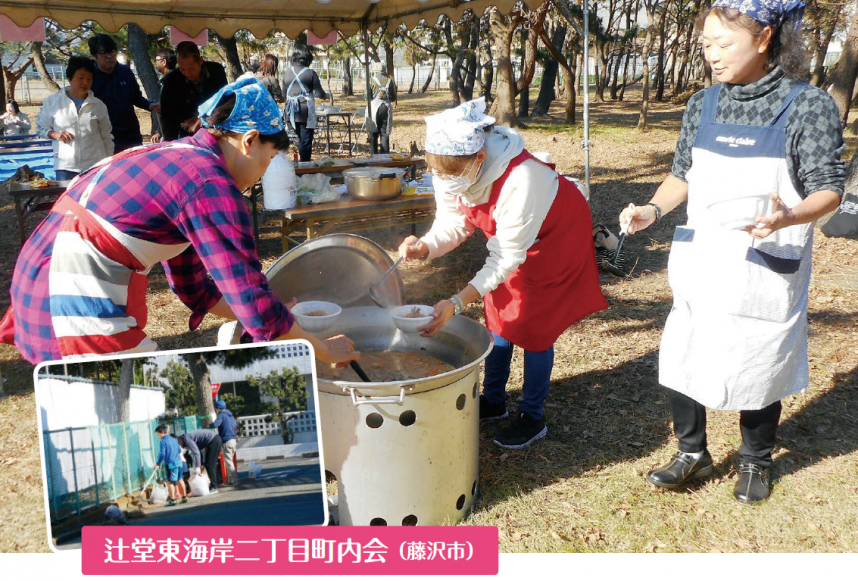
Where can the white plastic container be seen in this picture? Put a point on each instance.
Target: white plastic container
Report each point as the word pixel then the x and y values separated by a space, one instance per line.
pixel 278 184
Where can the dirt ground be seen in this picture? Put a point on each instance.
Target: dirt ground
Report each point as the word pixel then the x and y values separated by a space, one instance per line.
pixel 582 488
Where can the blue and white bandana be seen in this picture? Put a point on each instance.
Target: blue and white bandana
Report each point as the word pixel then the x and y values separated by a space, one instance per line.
pixel 254 108
pixel 768 12
pixel 458 131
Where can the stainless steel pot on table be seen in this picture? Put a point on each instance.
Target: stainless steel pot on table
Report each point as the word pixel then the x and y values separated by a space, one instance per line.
pixel 374 183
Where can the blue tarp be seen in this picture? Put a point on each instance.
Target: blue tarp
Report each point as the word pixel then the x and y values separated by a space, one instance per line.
pixel 42 162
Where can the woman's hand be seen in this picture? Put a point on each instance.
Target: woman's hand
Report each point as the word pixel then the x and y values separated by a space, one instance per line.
pixel 413 248
pixel 338 349
pixel 63 136
pixel 443 312
pixel 637 217
pixel 781 217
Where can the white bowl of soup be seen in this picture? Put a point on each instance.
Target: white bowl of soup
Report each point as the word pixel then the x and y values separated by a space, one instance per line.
pixel 409 318
pixel 316 316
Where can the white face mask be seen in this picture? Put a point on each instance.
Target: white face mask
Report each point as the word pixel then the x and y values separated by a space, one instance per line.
pixel 456 185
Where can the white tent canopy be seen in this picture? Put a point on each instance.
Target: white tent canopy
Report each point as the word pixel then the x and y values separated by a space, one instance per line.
pixel 260 17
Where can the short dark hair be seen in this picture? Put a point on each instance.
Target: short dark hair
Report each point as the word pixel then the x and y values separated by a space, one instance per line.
pixel 79 62
pixel 269 65
pixel 187 48
pixel 161 429
pixel 168 55
pixel 222 112
pixel 14 104
pixel 101 43
pixel 302 56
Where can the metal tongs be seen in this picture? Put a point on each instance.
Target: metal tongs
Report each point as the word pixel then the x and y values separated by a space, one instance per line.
pixel 611 265
pixel 373 294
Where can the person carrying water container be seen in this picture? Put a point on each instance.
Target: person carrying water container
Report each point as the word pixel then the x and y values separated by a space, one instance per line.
pixel 300 87
pixel 736 337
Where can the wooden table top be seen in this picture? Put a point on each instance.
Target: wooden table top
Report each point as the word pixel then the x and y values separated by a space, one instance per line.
pixel 24 190
pixel 309 167
pixel 347 205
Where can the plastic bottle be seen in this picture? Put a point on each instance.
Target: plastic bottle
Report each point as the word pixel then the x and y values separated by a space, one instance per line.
pixel 278 185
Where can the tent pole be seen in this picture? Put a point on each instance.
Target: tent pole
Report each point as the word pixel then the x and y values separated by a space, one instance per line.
pixel 369 121
pixel 586 74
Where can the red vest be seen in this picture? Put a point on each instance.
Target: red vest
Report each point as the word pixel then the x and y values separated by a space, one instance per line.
pixel 558 283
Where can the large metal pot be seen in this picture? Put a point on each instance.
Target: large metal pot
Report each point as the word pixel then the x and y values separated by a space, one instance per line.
pixel 405 452
pixel 374 183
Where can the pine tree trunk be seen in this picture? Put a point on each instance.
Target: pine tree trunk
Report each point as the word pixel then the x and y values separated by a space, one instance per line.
pixel 126 375
pixel 138 46
pixel 843 79
pixel 503 108
pixel 348 87
pixel 413 77
pixel 524 96
pixel 233 63
pixel 549 75
pixel 39 64
pixel 431 74
pixel 203 387
pixel 648 41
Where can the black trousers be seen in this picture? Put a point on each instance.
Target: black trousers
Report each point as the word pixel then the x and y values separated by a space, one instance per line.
pixel 759 428
pixel 381 125
pixel 305 141
pixel 211 453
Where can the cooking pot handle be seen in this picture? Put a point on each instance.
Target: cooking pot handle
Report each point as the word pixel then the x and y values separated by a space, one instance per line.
pixel 388 175
pixel 364 400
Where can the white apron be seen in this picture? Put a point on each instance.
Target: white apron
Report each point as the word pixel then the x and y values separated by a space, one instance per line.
pixel 382 96
pixel 293 104
pixel 736 337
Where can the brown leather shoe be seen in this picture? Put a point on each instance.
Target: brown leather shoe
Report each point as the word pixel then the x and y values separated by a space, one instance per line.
pixel 681 469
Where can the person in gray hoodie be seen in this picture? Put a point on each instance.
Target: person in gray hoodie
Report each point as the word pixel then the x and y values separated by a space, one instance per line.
pixel 208 441
pixel 226 429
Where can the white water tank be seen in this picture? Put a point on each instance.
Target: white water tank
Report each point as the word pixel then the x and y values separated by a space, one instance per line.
pixel 278 184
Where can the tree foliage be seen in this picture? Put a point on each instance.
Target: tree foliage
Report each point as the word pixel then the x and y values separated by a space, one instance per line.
pixel 288 390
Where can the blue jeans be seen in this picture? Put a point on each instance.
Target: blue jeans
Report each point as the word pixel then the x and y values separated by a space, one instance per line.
pixel 537 375
pixel 64 175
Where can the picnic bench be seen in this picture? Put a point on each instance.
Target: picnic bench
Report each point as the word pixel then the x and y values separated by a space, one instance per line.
pixel 351 217
pixel 29 199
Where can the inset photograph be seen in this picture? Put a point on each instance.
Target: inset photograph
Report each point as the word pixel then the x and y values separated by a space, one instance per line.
pixel 212 437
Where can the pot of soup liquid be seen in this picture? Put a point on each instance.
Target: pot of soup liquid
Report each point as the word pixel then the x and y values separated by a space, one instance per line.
pixel 403 448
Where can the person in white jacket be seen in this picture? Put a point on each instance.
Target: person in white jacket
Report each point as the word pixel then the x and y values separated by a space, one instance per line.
pixel 540 276
pixel 14 122
pixel 77 122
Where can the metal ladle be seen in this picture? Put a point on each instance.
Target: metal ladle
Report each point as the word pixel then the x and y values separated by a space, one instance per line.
pixel 373 287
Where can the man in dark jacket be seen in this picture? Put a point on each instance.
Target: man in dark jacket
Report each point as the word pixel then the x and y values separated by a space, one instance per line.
pixel 204 443
pixel 226 429
pixel 116 85
pixel 185 89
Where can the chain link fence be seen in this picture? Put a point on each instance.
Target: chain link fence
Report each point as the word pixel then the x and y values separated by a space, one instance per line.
pixel 91 466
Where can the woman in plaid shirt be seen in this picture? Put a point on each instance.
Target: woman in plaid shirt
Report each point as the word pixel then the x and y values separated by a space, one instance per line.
pixel 79 285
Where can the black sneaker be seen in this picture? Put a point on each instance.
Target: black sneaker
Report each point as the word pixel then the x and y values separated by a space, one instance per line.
pixel 522 432
pixel 492 411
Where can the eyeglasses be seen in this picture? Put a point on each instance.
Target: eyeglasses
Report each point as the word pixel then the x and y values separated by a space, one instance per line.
pixel 103 53
pixel 160 58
